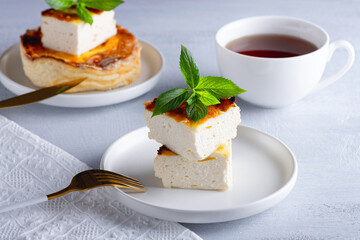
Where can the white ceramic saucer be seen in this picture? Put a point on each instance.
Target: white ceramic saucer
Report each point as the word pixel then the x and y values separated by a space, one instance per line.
pixel 13 78
pixel 264 170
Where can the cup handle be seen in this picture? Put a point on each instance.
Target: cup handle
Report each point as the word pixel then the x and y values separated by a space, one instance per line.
pixel 349 62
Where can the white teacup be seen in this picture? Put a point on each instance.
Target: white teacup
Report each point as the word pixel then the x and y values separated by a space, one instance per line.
pixel 277 82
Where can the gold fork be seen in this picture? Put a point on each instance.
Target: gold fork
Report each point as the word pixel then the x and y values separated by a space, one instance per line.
pixel 84 181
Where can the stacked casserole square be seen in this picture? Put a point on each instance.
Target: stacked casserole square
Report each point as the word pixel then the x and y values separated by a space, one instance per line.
pixel 194 155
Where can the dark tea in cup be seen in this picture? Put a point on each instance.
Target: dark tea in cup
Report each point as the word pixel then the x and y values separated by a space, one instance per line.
pixel 271 46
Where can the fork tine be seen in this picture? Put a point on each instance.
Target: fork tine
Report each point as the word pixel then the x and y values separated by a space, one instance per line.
pixel 122 186
pixel 97 171
pixel 105 178
pixel 117 174
pixel 115 177
pixel 120 182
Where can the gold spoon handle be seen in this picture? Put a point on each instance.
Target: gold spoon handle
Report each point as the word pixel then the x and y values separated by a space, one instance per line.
pixel 39 95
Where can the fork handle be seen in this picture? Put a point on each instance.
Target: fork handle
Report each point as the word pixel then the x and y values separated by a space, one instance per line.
pixel 23 204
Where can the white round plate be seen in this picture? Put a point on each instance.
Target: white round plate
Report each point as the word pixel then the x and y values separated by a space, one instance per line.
pixel 264 171
pixel 13 78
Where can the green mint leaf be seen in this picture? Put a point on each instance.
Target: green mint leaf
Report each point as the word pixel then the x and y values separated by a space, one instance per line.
pixel 191 98
pixel 170 100
pixel 188 68
pixel 60 4
pixel 219 87
pixel 195 109
pixel 83 13
pixel 104 5
pixel 207 98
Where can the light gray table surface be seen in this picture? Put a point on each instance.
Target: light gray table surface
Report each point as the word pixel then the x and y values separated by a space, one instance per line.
pixel 323 129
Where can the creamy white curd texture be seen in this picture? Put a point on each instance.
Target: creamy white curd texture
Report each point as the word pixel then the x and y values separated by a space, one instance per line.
pixel 77 37
pixel 194 143
pixel 212 173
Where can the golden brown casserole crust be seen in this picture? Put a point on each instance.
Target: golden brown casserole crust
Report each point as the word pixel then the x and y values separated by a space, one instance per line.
pixel 112 64
pixel 180 115
pixel 114 49
pixel 67 15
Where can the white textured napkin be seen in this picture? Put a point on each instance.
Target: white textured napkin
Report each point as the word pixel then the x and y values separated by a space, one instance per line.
pixel 31 167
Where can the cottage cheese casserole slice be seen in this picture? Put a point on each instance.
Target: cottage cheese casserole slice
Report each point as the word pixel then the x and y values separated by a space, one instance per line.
pixel 211 173
pixel 194 141
pixel 108 57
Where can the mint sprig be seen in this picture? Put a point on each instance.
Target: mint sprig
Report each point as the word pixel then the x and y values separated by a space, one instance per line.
pixel 103 5
pixel 219 87
pixel 170 100
pixel 82 5
pixel 195 108
pixel 201 91
pixel 84 13
pixel 60 4
pixel 189 68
